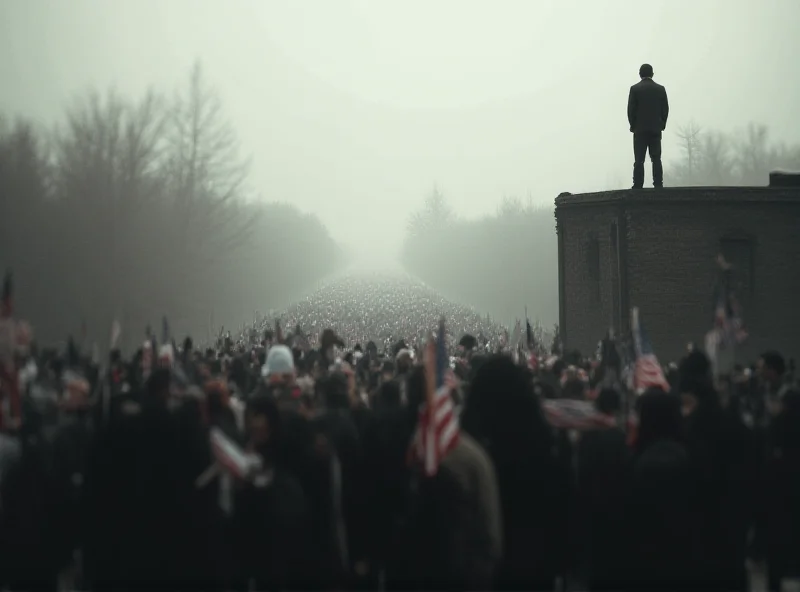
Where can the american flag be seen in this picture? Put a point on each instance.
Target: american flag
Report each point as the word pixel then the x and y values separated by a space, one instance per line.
pixel 437 430
pixel 632 424
pixel 573 372
pixel 575 415
pixel 230 457
pixel 728 326
pixel 166 353
pixel 647 371
pixel 147 358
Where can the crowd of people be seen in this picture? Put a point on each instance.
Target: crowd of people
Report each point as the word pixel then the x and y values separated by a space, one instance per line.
pixel 284 458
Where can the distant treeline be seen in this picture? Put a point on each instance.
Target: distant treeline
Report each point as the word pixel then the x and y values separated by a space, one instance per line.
pixel 499 264
pixel 131 210
pixel 745 157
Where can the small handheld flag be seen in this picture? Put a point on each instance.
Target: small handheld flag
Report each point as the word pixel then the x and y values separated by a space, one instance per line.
pixel 647 371
pixel 438 429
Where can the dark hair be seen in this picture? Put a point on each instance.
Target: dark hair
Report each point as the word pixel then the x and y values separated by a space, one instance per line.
pixel 659 419
pixel 503 412
pixel 608 401
pixel 646 71
pixel 388 396
pixel 159 381
pixel 787 436
pixel 415 388
pixel 574 388
pixel 695 374
pixel 333 390
pixel 558 368
pixel 267 406
pixel 774 361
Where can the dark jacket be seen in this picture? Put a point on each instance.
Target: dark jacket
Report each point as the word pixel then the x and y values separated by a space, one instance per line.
pixel 453 537
pixel 659 520
pixel 648 107
pixel 602 484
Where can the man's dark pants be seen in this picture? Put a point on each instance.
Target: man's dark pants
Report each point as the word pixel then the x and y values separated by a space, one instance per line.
pixel 644 142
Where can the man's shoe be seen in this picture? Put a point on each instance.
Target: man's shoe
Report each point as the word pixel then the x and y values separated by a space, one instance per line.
pixel 659 186
pixel 638 187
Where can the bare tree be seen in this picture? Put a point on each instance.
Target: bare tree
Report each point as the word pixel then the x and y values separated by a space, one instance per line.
pixel 118 213
pixel 435 213
pixel 752 155
pixel 24 191
pixel 207 173
pixel 785 158
pixel 110 189
pixel 745 157
pixel 690 146
pixel 510 207
pixel 514 248
pixel 716 165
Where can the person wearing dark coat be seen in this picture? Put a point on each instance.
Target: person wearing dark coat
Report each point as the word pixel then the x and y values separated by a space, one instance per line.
pixel 272 517
pixel 782 491
pixel 451 528
pixel 338 424
pixel 603 475
pixel 658 512
pixel 648 110
pixel 721 456
pixel 503 414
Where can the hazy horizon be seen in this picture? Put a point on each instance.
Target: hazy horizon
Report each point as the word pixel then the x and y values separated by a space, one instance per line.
pixel 353 109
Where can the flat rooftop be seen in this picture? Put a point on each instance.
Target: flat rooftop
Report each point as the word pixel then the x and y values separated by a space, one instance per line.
pixel 675 195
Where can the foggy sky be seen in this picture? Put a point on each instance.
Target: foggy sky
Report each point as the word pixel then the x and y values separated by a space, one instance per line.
pixel 353 109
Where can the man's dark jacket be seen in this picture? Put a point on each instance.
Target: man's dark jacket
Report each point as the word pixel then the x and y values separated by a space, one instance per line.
pixel 648 107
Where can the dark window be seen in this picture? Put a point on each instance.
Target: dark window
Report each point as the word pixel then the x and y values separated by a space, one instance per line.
pixel 593 258
pixel 593 265
pixel 614 278
pixel 739 252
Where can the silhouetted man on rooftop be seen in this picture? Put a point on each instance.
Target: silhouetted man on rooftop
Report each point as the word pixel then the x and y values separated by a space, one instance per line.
pixel 648 109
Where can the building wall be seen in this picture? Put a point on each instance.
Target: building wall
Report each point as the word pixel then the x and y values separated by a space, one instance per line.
pixel 670 249
pixel 590 302
pixel 672 270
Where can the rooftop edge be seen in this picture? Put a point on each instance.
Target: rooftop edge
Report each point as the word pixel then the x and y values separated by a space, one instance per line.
pixel 738 194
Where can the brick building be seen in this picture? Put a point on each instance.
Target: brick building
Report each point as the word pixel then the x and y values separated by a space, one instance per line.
pixel 656 249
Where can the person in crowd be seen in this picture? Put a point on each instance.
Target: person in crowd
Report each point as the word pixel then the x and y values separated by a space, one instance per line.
pixel 504 416
pixel 659 516
pixel 603 466
pixel 273 518
pixel 723 469
pixel 279 367
pixel 318 484
pixel 782 491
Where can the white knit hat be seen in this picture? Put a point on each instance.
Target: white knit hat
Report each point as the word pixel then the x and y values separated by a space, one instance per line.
pixel 279 361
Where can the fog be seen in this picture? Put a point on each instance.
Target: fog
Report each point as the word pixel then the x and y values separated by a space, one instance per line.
pixel 355 110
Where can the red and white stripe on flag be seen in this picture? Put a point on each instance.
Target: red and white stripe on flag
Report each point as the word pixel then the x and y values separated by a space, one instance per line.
pixel 648 374
pixel 575 415
pixel 232 458
pixel 147 358
pixel 451 380
pixel 437 431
